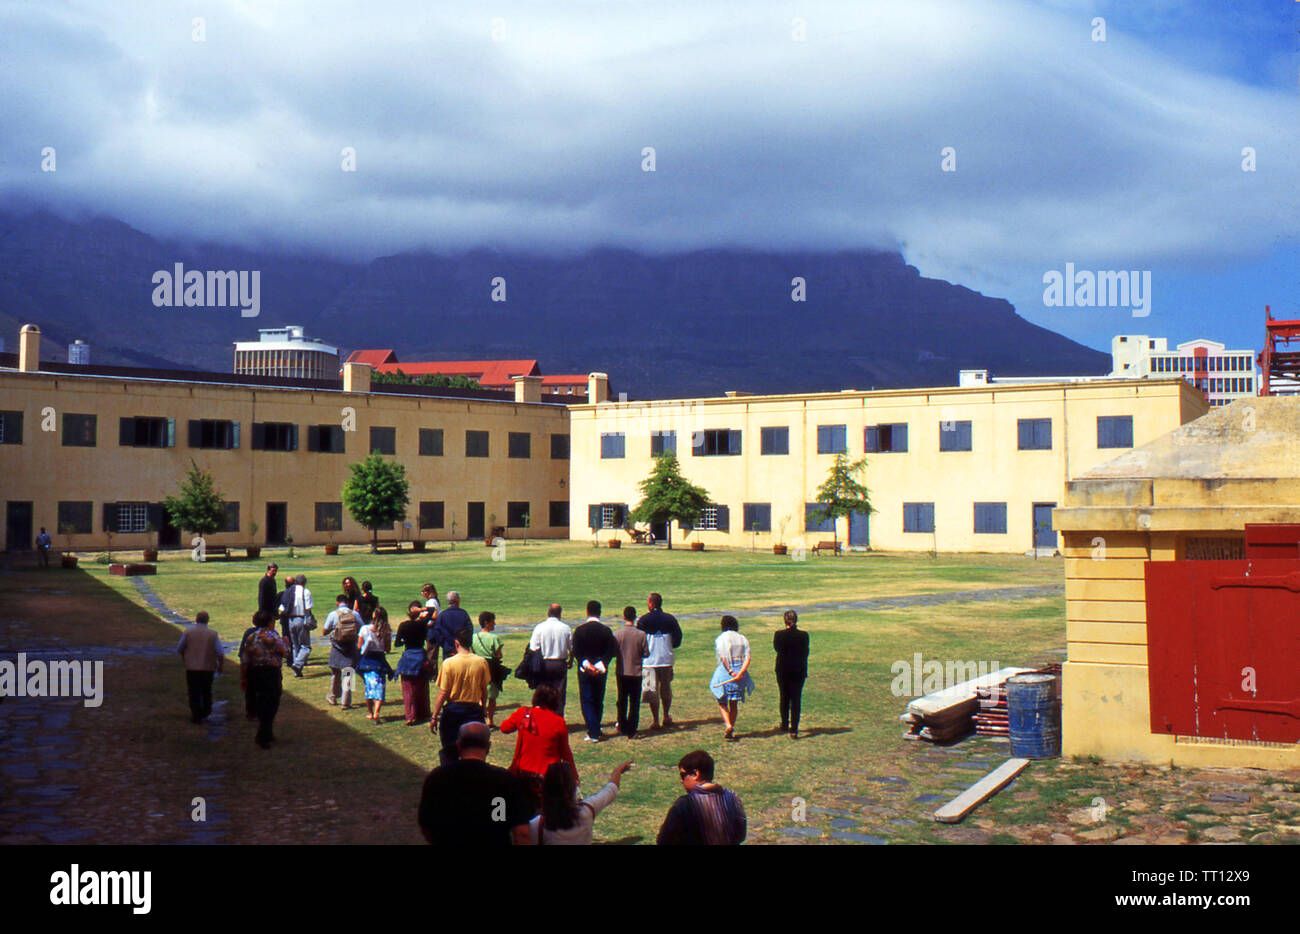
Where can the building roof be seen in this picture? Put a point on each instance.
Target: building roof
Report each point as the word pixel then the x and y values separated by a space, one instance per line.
pixel 373 358
pixel 487 372
pixel 565 379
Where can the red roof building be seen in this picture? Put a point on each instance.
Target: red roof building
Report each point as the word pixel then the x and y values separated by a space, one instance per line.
pixel 490 374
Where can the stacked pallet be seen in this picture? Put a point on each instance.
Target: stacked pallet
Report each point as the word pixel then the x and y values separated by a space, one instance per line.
pixel 991 717
pixel 946 716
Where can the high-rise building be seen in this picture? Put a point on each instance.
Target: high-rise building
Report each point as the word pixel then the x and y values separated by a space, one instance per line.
pixel 79 353
pixel 286 351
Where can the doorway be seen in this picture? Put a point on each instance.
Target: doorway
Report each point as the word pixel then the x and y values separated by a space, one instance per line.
pixel 277 523
pixel 1044 534
pixel 859 529
pixel 474 521
pixel 18 527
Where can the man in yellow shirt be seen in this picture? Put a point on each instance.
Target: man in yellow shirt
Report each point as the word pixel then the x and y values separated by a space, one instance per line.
pixel 462 687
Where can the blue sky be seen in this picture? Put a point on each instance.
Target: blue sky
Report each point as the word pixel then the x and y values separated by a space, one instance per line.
pixel 795 124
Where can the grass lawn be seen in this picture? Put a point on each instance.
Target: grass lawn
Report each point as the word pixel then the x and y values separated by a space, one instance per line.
pixel 850 715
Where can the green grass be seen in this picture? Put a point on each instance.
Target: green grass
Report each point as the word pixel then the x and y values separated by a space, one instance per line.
pixel 850 714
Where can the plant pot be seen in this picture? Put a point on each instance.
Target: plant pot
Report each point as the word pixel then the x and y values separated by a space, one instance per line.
pixel 778 549
pixel 615 543
pixel 417 545
pixel 331 549
pixel 697 546
pixel 150 555
pixel 68 561
pixel 253 551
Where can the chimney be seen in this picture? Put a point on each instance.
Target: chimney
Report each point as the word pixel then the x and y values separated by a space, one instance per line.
pixel 29 348
pixel 356 377
pixel 528 388
pixel 597 387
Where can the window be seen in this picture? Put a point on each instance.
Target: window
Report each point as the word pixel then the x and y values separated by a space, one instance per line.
pixel 76 518
pixel 832 439
pixel 885 439
pixel 383 440
pixel 431 442
pixel 213 433
pixel 954 436
pixel 519 444
pixel 559 514
pixel 1114 431
pixel 232 517
pixel 432 514
pixel 918 517
pixel 476 444
pixel 991 518
pixel 606 515
pixel 559 447
pixel 326 439
pixel 758 517
pixel 774 440
pixel 80 431
pixel 275 436
pixel 11 427
pixel 715 442
pixel 812 523
pixel 516 514
pixel 329 517
pixel 132 517
pixel 713 518
pixel 142 432
pixel 612 445
pixel 1034 434
pixel 663 442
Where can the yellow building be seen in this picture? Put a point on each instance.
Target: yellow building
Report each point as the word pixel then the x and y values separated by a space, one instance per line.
pixel 91 453
pixel 1186 496
pixel 949 469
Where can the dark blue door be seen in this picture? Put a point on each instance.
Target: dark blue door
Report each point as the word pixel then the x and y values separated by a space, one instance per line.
pixel 860 529
pixel 1044 534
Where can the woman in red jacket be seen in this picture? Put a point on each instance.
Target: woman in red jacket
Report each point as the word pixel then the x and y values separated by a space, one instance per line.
pixel 543 739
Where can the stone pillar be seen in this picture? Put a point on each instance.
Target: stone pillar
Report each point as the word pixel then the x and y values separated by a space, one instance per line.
pixel 528 388
pixel 597 387
pixel 29 348
pixel 356 377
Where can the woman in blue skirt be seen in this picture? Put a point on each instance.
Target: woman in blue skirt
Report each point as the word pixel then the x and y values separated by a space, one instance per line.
pixel 731 680
pixel 376 641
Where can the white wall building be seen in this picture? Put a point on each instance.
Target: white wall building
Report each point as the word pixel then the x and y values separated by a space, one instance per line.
pixel 287 351
pixel 1222 374
pixel 79 353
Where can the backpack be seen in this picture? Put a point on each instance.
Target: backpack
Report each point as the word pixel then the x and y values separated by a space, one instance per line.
pixel 346 629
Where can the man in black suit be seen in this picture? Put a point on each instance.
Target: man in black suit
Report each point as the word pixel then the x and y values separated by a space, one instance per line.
pixel 267 598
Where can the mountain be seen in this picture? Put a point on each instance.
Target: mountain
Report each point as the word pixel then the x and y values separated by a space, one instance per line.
pixel 697 323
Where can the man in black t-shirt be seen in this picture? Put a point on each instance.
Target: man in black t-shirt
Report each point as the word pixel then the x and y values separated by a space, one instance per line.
pixel 471 803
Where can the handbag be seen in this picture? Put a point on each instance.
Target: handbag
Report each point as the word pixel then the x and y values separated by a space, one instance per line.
pixel 530 667
pixel 311 621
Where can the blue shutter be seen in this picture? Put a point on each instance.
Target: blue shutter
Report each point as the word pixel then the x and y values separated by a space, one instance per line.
pixel 963 436
pixel 871 439
pixel 196 433
pixel 171 432
pixel 724 519
pixel 733 442
pixel 927 517
pixel 234 438
pixel 1024 434
pixel 898 442
pixel 126 433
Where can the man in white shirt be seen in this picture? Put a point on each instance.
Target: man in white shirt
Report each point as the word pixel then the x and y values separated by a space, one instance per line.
pixel 553 640
pixel 298 602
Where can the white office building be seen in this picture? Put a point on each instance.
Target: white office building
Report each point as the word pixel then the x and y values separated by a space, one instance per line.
pixel 287 351
pixel 1222 374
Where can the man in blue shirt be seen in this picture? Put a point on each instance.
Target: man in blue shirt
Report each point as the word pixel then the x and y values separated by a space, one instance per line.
pixel 450 621
pixel 664 635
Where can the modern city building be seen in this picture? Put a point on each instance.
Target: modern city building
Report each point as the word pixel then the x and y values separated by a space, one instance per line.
pixel 948 469
pixel 78 353
pixel 1222 374
pixel 287 352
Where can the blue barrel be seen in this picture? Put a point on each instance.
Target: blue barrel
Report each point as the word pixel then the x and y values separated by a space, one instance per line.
pixel 1034 712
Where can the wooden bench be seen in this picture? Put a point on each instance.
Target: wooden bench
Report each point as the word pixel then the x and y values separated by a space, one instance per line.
pixel 210 553
pixel 388 544
pixel 828 545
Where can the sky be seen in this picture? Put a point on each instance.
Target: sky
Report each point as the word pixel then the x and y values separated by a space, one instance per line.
pixel 990 141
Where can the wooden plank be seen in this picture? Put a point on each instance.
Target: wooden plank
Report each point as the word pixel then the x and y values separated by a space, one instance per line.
pixel 1107 569
pixel 981 791
pixel 1121 633
pixel 1106 589
pixel 1107 653
pixel 1106 611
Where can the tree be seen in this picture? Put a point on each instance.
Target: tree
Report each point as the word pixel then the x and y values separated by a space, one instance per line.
pixel 667 495
pixel 199 508
pixel 376 494
pixel 437 380
pixel 842 494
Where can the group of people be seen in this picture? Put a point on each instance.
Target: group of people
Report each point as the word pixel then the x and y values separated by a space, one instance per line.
pixel 535 800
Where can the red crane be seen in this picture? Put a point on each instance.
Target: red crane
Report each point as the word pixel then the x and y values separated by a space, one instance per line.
pixel 1279 362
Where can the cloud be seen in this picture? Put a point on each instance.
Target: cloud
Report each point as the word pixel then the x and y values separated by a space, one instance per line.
pixel 1109 155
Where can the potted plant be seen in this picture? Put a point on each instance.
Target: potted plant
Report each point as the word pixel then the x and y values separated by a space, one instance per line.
pixel 109 553
pixel 253 550
pixel 68 561
pixel 779 547
pixel 527 519
pixel 492 530
pixel 753 537
pixel 151 553
pixel 453 531
pixel 288 540
pixel 330 547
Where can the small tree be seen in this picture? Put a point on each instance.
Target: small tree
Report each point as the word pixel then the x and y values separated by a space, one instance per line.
pixel 842 494
pixel 667 495
pixel 376 494
pixel 199 508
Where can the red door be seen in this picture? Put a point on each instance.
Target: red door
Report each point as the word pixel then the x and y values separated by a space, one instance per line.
pixel 1223 648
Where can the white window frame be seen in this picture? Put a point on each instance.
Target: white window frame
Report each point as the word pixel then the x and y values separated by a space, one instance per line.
pixel 132 517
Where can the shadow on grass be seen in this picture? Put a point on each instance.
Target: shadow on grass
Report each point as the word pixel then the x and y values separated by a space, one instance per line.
pixel 304 790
